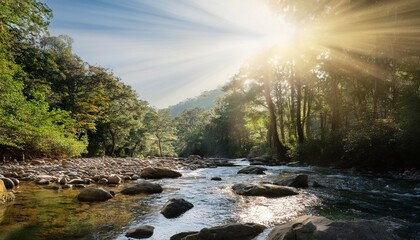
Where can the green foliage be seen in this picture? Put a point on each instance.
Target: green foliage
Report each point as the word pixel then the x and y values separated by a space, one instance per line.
pixel 190 125
pixel 161 131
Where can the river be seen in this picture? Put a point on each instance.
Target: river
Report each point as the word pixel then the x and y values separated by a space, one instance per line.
pixel 41 212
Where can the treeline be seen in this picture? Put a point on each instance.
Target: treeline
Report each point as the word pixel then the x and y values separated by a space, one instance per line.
pixel 52 103
pixel 348 94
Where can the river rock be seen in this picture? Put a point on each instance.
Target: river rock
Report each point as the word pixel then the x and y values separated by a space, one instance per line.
pixel 235 231
pixel 43 182
pixel 321 228
pixel 299 181
pixel 252 170
pixel 194 157
pixel 114 179
pixel 175 207
pixel 94 195
pixel 158 173
pixel 62 181
pixel 316 184
pixel 77 181
pixel 8 183
pixel 103 181
pixel 142 187
pixel 15 181
pixel 182 235
pixel 266 190
pixel 216 179
pixel 145 231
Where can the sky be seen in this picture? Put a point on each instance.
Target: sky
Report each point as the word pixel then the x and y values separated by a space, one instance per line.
pixel 167 50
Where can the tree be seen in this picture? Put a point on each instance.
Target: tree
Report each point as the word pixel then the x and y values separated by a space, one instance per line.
pixel 190 125
pixel 159 125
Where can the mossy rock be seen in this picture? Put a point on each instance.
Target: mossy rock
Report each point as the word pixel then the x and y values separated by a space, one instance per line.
pixel 5 196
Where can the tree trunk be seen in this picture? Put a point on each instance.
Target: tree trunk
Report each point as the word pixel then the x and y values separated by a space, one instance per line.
pixel 112 142
pixel 299 125
pixel 278 148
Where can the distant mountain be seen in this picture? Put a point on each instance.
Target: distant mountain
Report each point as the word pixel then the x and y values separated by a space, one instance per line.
pixel 205 100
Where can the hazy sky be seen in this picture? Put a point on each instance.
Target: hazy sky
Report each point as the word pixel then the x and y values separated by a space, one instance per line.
pixel 167 50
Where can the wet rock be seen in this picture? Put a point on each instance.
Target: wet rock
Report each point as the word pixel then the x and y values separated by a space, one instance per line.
pixel 62 181
pixel 114 179
pixel 194 157
pixel 8 183
pixel 299 181
pixel 158 173
pixel 216 179
pixel 145 231
pixel 266 190
pixel 43 182
pixel 15 181
pixel 37 162
pixel 103 181
pixel 142 187
pixel 235 231
pixel 94 195
pixel 78 186
pixel 77 181
pixel 254 163
pixel 175 207
pixel 65 186
pixel 252 170
pixel 182 235
pixel 321 228
pixel 315 184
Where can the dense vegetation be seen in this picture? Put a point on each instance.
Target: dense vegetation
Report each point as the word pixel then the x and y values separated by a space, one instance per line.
pixel 351 98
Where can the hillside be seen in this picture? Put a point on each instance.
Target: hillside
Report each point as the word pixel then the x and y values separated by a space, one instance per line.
pixel 205 100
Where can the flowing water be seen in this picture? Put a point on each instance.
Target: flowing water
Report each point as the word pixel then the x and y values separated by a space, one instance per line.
pixel 49 213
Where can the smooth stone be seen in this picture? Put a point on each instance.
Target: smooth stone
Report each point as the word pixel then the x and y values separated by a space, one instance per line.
pixel 176 207
pixel 43 182
pixel 252 170
pixel 94 195
pixel 8 183
pixel 321 228
pixel 158 173
pixel 142 187
pixel 145 231
pixel 182 235
pixel 266 190
pixel 235 231
pixel 299 181
pixel 114 179
pixel 77 181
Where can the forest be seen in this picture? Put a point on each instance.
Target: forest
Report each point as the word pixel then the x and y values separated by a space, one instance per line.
pixel 346 94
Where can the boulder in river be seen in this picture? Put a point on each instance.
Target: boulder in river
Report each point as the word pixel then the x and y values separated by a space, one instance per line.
pixel 299 181
pixel 142 187
pixel 145 231
pixel 175 207
pixel 8 183
pixel 182 235
pixel 158 173
pixel 216 179
pixel 321 228
pixel 234 231
pixel 266 190
pixel 94 195
pixel 5 196
pixel 252 170
pixel 114 179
